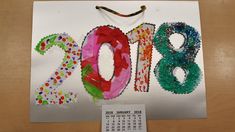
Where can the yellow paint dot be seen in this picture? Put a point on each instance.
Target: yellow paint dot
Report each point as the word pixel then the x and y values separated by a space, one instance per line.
pixel 60 92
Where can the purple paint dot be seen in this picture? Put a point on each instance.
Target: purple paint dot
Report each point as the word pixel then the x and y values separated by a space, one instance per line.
pixel 61 81
pixel 60 38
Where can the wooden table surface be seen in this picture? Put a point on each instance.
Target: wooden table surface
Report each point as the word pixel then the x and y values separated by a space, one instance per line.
pixel 218 33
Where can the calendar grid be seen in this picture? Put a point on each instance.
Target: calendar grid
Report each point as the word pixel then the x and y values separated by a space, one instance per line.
pixel 119 118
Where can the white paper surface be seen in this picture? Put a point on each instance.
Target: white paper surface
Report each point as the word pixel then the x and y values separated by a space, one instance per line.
pixel 77 18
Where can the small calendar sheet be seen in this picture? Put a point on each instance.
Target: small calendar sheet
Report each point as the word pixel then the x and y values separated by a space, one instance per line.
pixel 124 118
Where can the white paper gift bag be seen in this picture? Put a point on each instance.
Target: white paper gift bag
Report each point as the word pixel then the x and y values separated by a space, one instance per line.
pixel 89 53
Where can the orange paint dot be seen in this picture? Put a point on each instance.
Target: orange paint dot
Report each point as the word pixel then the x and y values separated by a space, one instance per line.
pixel 39 101
pixel 41 88
pixel 58 77
pixel 47 84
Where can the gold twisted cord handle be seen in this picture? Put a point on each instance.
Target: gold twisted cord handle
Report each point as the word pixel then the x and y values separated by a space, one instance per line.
pixel 142 9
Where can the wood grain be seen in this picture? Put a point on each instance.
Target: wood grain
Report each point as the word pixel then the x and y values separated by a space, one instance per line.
pixel 218 31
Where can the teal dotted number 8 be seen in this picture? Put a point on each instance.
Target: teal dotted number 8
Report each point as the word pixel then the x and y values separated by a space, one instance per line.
pixel 183 57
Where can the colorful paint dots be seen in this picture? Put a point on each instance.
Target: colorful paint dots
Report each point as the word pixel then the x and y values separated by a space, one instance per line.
pixel 117 41
pixel 94 83
pixel 183 58
pixel 142 34
pixel 48 92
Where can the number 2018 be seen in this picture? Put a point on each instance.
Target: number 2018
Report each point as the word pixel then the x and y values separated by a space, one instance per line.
pixel 119 43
